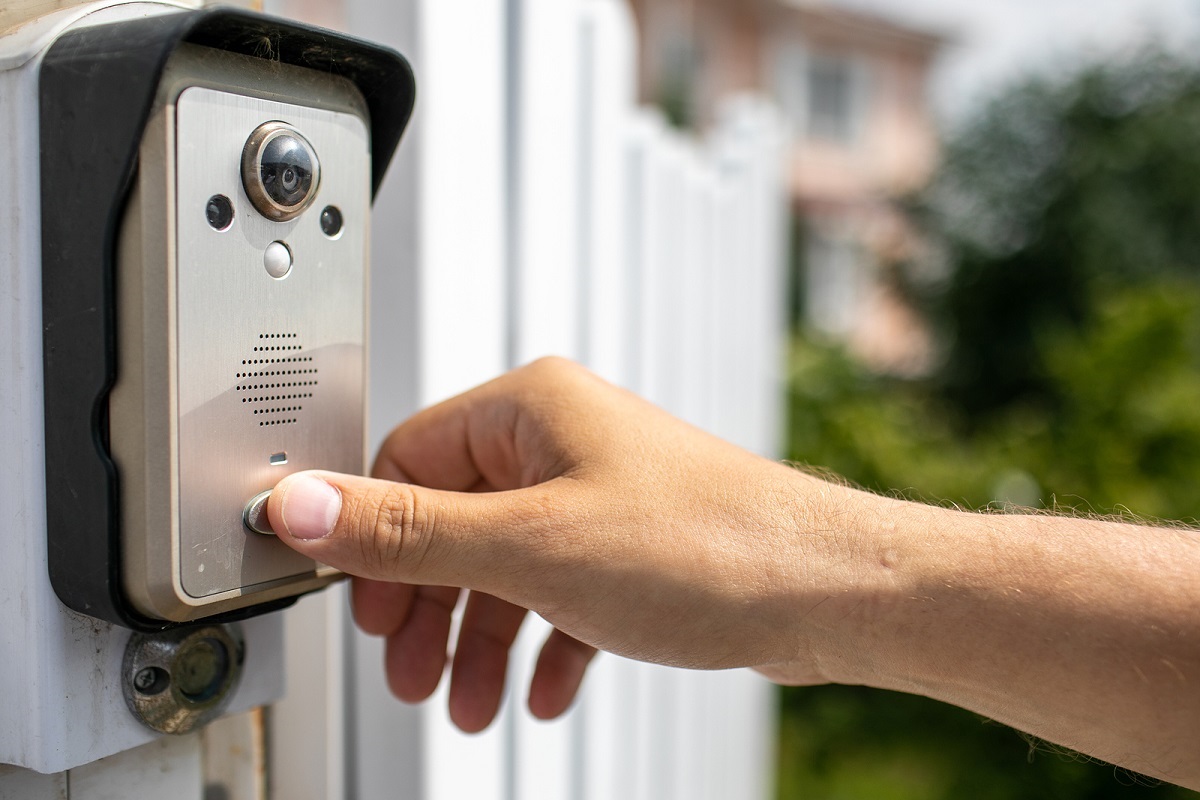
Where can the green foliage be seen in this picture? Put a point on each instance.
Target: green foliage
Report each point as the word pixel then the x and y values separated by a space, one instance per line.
pixel 1069 214
pixel 1058 193
pixel 1126 431
pixel 854 743
pixel 1122 435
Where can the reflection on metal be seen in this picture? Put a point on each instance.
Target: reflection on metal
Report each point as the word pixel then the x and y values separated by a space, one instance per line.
pixel 177 681
pixel 255 513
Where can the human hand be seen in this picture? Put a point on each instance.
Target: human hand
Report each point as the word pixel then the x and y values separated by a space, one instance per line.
pixel 630 531
pixel 551 490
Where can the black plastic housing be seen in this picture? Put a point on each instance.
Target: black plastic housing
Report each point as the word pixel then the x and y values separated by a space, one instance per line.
pixel 97 87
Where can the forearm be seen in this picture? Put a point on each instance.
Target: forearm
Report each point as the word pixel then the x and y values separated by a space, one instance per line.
pixel 550 490
pixel 1081 632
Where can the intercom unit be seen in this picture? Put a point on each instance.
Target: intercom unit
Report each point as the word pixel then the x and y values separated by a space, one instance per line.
pixel 206 188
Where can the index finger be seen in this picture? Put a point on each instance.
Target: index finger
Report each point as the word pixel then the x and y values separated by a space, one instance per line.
pixel 461 444
pixel 520 429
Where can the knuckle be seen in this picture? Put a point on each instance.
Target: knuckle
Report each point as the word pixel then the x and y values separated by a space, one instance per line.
pixel 400 529
pixel 552 366
pixel 552 384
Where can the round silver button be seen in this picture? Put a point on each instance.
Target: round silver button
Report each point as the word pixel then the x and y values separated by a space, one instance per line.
pixel 254 515
pixel 277 258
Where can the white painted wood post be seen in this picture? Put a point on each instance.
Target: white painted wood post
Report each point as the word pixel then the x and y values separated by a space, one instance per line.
pixel 439 326
pixel 545 118
pixel 602 756
pixel 64 725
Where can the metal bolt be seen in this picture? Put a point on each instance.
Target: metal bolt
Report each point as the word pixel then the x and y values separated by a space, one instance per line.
pixel 180 679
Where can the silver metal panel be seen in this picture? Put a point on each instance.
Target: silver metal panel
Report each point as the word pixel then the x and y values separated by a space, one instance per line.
pixel 264 366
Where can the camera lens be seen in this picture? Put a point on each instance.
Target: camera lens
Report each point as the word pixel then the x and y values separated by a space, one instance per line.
pixel 285 168
pixel 280 171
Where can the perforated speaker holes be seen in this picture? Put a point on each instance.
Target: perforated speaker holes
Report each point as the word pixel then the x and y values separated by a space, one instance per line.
pixel 276 380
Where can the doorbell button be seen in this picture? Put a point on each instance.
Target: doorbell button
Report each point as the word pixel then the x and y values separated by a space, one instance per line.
pixel 255 514
pixel 277 258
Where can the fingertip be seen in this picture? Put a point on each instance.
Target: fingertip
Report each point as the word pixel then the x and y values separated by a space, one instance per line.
pixel 558 675
pixel 412 676
pixel 548 702
pixel 480 671
pixel 470 716
pixel 380 607
pixel 415 655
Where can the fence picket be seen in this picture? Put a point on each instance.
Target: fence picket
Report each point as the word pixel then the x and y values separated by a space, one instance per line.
pixel 535 209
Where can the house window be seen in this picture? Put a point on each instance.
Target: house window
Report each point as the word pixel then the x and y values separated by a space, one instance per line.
pixel 791 90
pixel 824 95
pixel 832 104
pixel 835 282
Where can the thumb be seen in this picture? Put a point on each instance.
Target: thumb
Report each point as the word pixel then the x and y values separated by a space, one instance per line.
pixel 395 531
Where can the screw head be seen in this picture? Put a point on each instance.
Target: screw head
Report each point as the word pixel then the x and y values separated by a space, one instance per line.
pixel 144 679
pixel 151 680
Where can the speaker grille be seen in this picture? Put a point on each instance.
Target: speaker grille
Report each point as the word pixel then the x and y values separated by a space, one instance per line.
pixel 276 379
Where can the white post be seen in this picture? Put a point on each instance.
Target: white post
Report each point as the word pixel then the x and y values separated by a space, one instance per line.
pixel 607 309
pixel 544 155
pixel 439 326
pixel 61 702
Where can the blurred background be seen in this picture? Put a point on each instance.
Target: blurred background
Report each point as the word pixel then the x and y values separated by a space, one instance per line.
pixel 994 296
pixel 975 226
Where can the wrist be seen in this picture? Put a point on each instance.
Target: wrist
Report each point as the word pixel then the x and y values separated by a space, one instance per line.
pixel 862 563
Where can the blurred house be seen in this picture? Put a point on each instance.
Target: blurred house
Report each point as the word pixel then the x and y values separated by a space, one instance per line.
pixel 853 87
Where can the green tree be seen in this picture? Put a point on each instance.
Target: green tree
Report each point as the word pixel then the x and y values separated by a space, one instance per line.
pixel 1059 193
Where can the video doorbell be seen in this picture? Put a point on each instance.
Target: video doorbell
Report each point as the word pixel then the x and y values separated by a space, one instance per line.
pixel 207 180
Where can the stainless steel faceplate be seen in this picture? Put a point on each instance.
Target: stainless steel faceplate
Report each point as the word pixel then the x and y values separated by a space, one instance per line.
pixel 269 371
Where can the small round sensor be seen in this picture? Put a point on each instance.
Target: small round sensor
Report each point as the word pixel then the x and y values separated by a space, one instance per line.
pixel 219 212
pixel 331 221
pixel 277 259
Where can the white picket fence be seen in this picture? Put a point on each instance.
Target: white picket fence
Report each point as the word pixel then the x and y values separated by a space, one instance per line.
pixel 535 209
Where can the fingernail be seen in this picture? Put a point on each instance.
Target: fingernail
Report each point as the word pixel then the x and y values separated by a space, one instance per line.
pixel 310 508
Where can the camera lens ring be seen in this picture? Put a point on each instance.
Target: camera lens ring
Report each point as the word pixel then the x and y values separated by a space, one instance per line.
pixel 280 171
